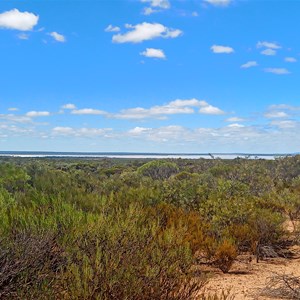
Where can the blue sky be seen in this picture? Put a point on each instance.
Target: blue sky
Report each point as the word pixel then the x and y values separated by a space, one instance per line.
pixel 150 76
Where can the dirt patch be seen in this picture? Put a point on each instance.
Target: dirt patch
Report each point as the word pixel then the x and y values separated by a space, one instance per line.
pixel 247 278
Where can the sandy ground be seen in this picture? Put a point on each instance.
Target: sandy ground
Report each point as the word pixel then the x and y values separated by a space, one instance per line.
pixel 247 278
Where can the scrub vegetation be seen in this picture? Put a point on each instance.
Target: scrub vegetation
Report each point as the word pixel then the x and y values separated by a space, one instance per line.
pixel 138 229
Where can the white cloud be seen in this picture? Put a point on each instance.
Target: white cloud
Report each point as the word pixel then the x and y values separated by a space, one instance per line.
pixel 23 36
pixel 58 37
pixel 33 114
pixel 189 102
pixel 111 28
pixel 145 31
pixel 282 111
pixel 284 106
pixel 13 109
pixel 249 64
pixel 219 2
pixel 268 52
pixel 221 49
pixel 162 134
pixel 284 124
pixel 155 53
pixel 14 19
pixel 13 130
pixel 11 118
pixel 211 110
pixel 235 119
pixel 178 106
pixel 62 130
pixel 165 4
pixel 276 114
pixel 236 125
pixel 277 71
pixel 204 138
pixel 290 59
pixel 88 111
pixel 139 130
pixel 149 11
pixel 156 112
pixel 279 133
pixel 155 6
pixel 81 132
pixel 69 106
pixel 162 111
pixel 270 45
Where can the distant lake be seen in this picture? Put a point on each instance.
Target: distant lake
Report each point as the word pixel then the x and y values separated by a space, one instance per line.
pixel 139 155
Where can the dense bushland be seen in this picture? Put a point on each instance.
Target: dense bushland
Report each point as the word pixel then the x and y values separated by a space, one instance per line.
pixel 136 229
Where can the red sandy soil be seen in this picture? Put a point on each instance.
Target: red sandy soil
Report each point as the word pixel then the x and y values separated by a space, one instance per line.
pixel 247 278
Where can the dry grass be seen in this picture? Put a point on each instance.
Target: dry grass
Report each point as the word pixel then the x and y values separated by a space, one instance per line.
pixel 283 287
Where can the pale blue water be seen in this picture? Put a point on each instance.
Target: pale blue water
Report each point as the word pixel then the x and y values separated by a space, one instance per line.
pixel 139 155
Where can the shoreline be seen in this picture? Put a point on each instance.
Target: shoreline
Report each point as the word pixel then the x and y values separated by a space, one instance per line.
pixel 142 156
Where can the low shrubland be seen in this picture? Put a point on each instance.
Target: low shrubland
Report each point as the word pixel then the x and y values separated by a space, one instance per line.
pixel 111 229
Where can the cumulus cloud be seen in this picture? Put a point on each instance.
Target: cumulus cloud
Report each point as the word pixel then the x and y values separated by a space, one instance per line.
pixel 138 131
pixel 218 2
pixel 234 133
pixel 14 19
pixel 69 106
pixel 189 102
pixel 156 112
pixel 290 59
pixel 249 64
pixel 277 71
pixel 270 45
pixel 33 114
pixel 111 28
pixel 178 106
pixel 279 133
pixel 235 119
pixel 149 11
pixel 14 130
pixel 155 6
pixel 154 53
pixel 284 124
pixel 232 138
pixel 221 49
pixel 276 114
pixel 88 111
pixel 63 130
pixel 284 107
pixel 211 110
pixel 281 111
pixel 81 132
pixel 165 4
pixel 145 31
pixel 58 37
pixel 161 134
pixel 11 118
pixel 268 52
pixel 236 125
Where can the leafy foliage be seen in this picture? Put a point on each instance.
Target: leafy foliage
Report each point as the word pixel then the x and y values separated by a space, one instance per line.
pixel 135 229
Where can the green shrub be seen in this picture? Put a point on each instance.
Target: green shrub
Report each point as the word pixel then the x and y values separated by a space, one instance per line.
pixel 158 169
